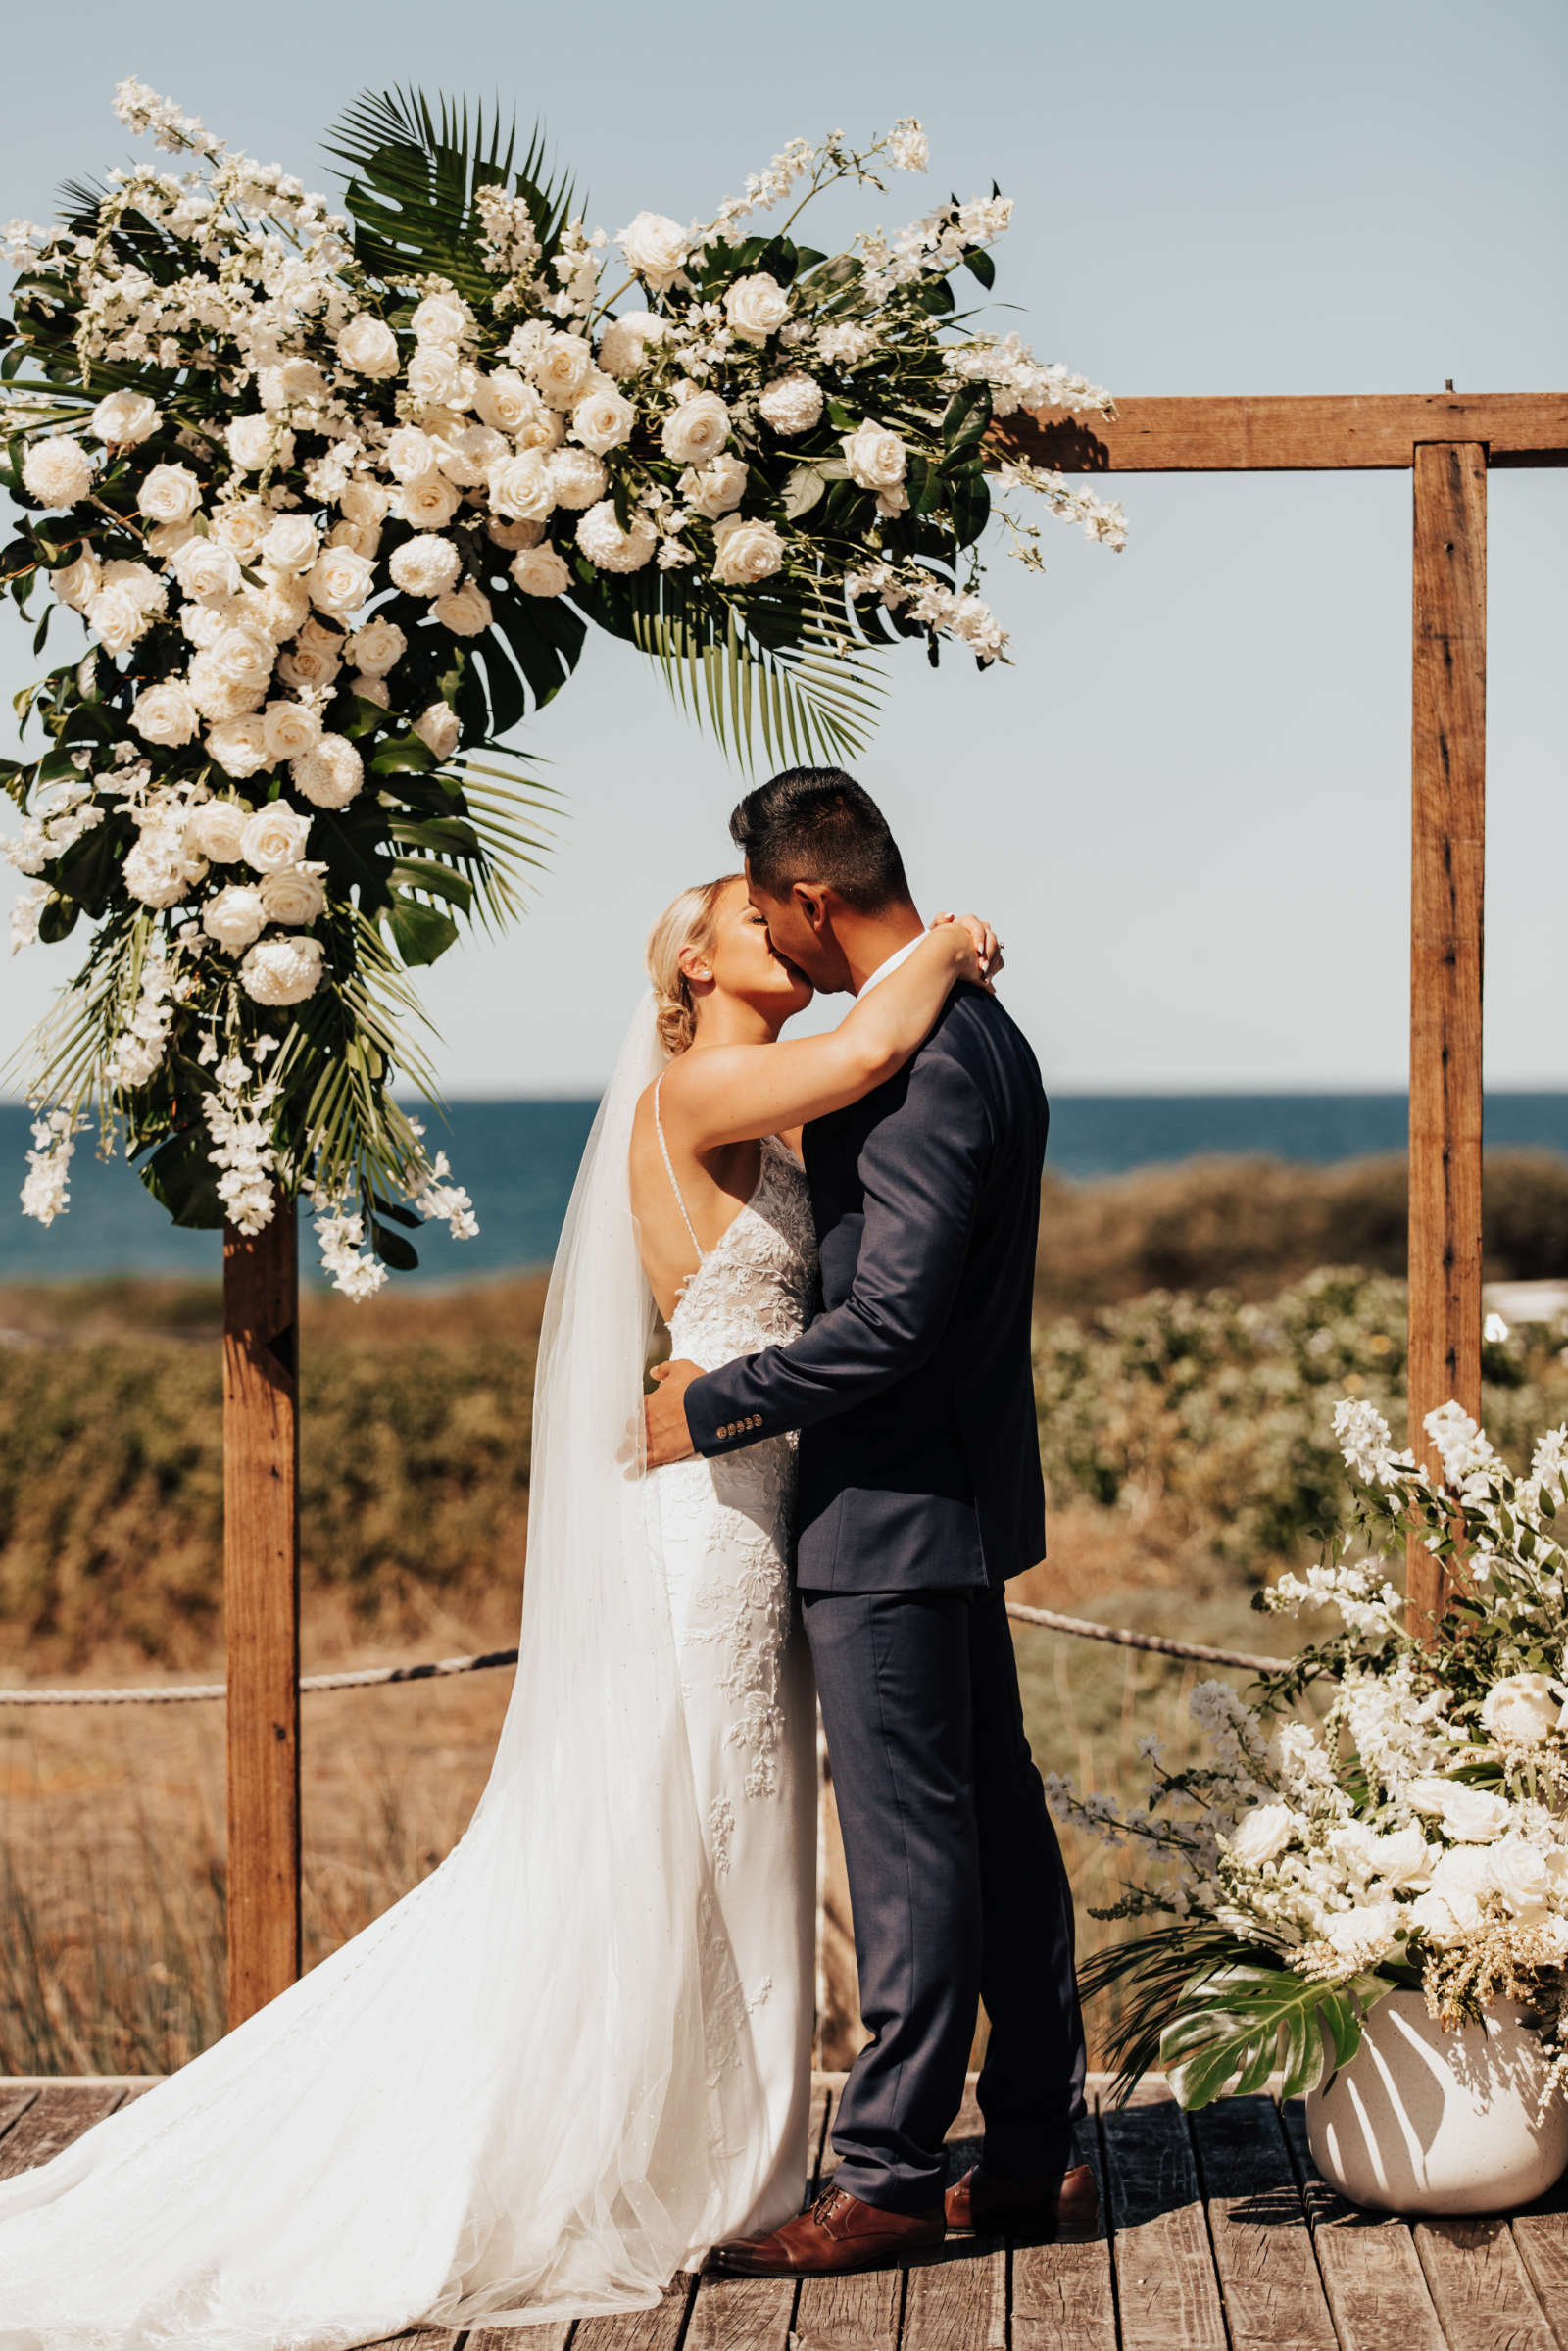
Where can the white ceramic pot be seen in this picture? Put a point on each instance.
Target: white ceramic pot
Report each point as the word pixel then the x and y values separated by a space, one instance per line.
pixel 1423 2120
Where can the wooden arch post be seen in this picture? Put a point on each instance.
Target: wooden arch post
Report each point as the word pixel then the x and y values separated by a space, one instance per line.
pixel 261 1607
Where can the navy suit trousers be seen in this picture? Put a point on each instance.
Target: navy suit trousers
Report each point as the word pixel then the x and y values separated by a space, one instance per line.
pixel 958 1887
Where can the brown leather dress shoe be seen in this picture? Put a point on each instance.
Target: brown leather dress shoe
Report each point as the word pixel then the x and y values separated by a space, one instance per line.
pixel 1059 2206
pixel 837 2232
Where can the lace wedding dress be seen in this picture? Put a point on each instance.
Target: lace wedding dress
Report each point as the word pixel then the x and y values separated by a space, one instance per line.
pixel 576 2054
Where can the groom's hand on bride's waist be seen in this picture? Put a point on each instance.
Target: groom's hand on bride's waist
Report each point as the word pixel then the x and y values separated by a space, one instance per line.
pixel 665 1414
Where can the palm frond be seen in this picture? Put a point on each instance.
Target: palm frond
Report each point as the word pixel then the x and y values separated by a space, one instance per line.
pixel 414 169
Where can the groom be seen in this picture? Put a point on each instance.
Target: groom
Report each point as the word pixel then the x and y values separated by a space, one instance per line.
pixel 919 1495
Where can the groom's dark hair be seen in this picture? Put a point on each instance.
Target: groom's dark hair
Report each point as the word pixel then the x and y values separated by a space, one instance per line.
pixel 818 825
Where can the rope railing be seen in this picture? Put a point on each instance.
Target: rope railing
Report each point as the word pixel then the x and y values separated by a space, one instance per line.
pixel 178 1693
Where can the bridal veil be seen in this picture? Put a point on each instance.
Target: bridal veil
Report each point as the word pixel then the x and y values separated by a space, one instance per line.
pixel 501 2101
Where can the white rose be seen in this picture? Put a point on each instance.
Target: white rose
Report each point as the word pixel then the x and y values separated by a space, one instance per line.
pixel 426 567
pixel 241 526
pixel 544 428
pixel 372 689
pixel 428 502
pixel 439 377
pixel 655 249
pixel 1522 1875
pixel 293 894
pixel 438 728
pixel 1469 1815
pixel 274 836
pixel 877 458
pixel 561 368
pixel 466 610
pixel 282 972
pixel 365 503
pixel 1521 1709
pixel 603 418
pixel 165 713
pixel 624 343
pixel 360 538
pixel 169 494
pixel 410 453
pixel 1262 1833
pixel 77 583
pixel 217 697
pixel 291 729
pixel 202 624
pixel 1442 1917
pixel 124 419
pixel 339 581
pixel 234 916
pixel 442 319
pixel 377 647
pixel 165 539
pixel 119 617
pixel 208 571
pixel 757 307
pixel 291 544
pixel 57 470
pixel 696 429
pixel 369 346
pixel 513 535
pixel 519 487
pixel 291 381
pixel 577 478
pixel 154 870
pixel 791 404
pixel 541 572
pixel 243 657
pixel 745 552
pixel 308 667
pixel 216 829
pixel 239 746
pixel 257 441
pixel 1403 1857
pixel 605 543
pixel 1367 1932
pixel 716 488
pixel 502 399
pixel 330 773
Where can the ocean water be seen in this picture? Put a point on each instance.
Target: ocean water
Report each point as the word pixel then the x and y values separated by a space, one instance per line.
pixel 518 1159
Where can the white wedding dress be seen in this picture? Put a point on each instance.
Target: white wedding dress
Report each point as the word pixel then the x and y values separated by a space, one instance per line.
pixel 577 2054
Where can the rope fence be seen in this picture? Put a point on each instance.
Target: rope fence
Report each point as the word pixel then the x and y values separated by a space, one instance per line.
pixel 181 1693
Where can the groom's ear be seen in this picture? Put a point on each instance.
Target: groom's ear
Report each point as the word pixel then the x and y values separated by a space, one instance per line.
pixel 811 904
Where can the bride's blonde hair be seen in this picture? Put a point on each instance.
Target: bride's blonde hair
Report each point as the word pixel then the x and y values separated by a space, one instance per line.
pixel 688 923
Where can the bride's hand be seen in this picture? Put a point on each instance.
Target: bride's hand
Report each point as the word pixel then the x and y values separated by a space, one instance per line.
pixel 987 946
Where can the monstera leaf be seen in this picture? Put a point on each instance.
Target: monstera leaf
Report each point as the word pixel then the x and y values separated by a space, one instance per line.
pixel 1245 2023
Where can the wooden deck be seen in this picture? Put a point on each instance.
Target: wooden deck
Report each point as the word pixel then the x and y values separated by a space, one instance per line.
pixel 1219 2237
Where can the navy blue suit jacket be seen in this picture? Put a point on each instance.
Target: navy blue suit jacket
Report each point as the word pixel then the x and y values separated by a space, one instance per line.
pixel 912 1389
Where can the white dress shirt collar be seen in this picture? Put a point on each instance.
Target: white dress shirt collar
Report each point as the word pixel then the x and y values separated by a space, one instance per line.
pixel 900 956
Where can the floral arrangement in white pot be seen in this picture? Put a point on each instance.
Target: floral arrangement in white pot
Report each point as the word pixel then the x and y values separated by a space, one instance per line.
pixel 337 497
pixel 1389 1815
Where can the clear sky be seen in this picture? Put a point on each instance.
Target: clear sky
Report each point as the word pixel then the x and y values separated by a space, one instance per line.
pixel 1185 805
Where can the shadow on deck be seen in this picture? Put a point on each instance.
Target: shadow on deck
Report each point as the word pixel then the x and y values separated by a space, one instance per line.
pixel 1218 2236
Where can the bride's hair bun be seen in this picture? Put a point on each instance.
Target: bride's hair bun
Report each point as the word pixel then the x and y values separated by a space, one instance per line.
pixel 688 923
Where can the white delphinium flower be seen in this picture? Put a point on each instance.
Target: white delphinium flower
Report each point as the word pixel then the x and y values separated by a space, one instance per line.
pixel 139 1049
pixel 238 1115
pixel 846 346
pixel 141 109
pixel 606 545
pixel 439 1200
pixel 509 243
pixel 57 472
pixel 1495 1330
pixel 27 907
pixel 1461 1445
pixel 46 1188
pixel 655 249
pixel 1364 1440
pixel 341 1239
pixel 156 871
pixel 282 972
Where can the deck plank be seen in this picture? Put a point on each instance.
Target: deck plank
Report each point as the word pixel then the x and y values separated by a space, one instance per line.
pixel 1541 2237
pixel 14 2100
pixel 859 2313
pixel 553 2335
pixel 1372 2274
pixel 1480 2288
pixel 955 2297
pixel 1268 2273
pixel 52 2120
pixel 1062 2296
pixel 754 2313
pixel 1167 2288
pixel 656 2329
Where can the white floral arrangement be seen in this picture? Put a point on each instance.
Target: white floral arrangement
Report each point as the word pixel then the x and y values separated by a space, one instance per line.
pixel 1391 1813
pixel 337 497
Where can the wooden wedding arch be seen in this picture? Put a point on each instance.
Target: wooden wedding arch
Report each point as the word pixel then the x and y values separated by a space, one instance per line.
pixel 1446 442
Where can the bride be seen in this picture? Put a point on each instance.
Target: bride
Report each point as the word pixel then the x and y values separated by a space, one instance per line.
pixel 577 2054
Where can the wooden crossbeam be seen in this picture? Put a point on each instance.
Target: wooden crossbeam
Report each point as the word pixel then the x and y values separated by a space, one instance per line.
pixel 1330 432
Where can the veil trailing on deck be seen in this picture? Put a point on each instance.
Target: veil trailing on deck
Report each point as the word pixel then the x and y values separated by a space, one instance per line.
pixel 502 2100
